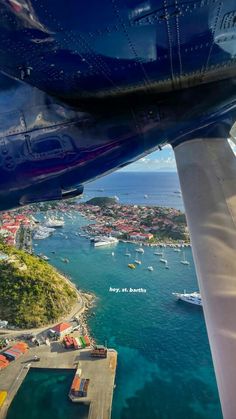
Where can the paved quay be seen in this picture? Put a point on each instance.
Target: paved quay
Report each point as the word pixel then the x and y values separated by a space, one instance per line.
pixel 101 373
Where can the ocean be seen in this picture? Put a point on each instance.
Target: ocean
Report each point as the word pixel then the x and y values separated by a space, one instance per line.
pixel 164 367
pixel 141 188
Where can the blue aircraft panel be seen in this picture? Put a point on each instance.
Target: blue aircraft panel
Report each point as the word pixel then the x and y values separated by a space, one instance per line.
pixel 110 47
pixel 89 86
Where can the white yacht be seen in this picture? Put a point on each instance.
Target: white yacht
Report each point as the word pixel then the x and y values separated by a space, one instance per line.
pixel 150 268
pixel 184 261
pixel 44 257
pixel 158 253
pixel 105 241
pixel 54 223
pixel 176 249
pixel 43 232
pixel 162 260
pixel 138 262
pixel 139 250
pixel 192 298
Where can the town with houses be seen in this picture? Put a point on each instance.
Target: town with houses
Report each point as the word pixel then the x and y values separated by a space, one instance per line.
pixel 47 345
pixel 153 225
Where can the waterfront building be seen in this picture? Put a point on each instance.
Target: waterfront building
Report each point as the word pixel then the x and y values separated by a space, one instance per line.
pixel 141 236
pixel 62 329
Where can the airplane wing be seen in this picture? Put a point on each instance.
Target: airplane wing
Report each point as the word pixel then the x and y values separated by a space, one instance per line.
pixel 109 48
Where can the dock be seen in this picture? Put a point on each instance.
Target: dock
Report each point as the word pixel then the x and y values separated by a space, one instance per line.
pixel 101 375
pixel 100 372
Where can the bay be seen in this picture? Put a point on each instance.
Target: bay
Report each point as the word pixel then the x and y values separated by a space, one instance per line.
pixel 164 367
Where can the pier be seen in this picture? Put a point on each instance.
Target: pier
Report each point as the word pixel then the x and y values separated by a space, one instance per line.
pixel 100 372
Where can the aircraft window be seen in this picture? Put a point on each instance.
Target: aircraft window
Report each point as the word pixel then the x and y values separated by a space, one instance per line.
pixel 46 146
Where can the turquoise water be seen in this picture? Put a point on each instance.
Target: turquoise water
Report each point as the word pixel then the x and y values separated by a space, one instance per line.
pixel 164 363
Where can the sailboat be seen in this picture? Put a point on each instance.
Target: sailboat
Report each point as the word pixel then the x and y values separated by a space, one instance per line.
pixel 127 253
pixel 158 253
pixel 184 261
pixel 162 259
pixel 137 260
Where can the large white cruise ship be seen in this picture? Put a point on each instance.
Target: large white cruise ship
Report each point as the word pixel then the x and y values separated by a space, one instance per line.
pixel 43 232
pixel 192 298
pixel 105 241
pixel 54 223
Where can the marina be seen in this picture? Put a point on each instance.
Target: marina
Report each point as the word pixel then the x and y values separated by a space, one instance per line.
pixel 161 362
pixel 96 271
pixel 54 357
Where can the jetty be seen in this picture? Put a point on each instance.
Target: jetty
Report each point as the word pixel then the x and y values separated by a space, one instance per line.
pixel 98 375
pixel 99 371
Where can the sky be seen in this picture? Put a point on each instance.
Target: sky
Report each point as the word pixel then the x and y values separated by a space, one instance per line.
pixel 159 161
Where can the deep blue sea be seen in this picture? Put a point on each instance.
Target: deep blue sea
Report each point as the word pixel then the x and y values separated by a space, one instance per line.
pixel 164 363
pixel 143 188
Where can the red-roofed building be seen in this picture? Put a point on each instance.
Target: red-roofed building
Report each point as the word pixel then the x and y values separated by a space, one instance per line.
pixel 141 236
pixel 62 329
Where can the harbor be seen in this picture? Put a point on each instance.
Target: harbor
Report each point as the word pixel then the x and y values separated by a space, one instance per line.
pixel 149 364
pixel 54 356
pixel 100 373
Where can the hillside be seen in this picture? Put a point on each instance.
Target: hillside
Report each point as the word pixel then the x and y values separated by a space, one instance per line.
pixel 102 201
pixel 32 293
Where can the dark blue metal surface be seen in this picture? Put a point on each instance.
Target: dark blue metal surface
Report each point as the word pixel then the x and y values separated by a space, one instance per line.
pixel 86 87
pixel 80 49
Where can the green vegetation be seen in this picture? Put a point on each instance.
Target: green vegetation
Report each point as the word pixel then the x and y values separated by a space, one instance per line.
pixel 102 201
pixel 32 293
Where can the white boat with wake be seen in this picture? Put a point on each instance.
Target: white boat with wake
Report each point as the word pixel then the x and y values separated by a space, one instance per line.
pixel 192 298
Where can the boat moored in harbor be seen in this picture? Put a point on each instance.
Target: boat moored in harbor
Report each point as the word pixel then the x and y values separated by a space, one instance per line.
pixel 139 250
pixel 54 223
pixel 192 298
pixel 184 261
pixel 105 241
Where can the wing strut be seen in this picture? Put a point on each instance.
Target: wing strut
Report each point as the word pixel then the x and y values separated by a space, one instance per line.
pixel 207 172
